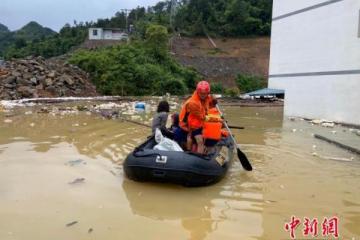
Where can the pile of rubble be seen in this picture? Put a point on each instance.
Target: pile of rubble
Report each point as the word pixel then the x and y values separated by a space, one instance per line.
pixel 37 77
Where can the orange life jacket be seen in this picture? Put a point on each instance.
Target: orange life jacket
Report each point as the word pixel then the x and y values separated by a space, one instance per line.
pixel 193 112
pixel 212 127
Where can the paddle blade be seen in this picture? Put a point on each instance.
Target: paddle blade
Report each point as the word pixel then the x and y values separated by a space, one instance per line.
pixel 243 160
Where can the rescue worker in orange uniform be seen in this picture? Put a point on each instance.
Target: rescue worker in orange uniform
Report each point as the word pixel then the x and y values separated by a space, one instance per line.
pixel 193 115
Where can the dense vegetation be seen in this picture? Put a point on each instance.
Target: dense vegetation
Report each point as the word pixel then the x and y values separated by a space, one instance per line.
pixel 5 38
pixel 140 68
pixel 144 67
pixel 35 40
pixel 233 18
pixel 248 83
pixel 244 83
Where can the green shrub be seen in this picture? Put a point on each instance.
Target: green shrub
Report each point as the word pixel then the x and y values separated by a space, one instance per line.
pixel 249 83
pixel 217 88
pixel 174 86
pixel 232 92
pixel 138 68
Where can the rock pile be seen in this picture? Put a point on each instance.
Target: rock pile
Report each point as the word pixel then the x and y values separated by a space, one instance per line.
pixel 37 77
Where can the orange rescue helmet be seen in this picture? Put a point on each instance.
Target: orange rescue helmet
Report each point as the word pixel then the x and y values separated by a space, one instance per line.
pixel 203 87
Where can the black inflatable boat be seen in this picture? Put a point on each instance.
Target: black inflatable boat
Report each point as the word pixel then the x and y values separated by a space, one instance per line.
pixel 185 168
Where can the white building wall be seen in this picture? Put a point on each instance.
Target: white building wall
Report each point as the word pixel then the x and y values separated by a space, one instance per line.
pixel 98 36
pixel 108 34
pixel 315 58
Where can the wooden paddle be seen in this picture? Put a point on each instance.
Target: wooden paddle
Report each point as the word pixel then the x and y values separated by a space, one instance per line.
pixel 242 157
pixel 235 127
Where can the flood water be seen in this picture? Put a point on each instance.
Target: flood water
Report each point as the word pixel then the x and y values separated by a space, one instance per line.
pixel 61 177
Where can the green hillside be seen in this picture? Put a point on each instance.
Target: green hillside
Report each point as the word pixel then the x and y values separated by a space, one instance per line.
pixel 32 31
pixel 16 40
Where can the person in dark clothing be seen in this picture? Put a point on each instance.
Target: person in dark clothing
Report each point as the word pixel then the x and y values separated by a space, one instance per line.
pixel 174 122
pixel 160 119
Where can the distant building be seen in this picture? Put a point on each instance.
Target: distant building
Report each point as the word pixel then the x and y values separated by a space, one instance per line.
pixel 315 58
pixel 107 34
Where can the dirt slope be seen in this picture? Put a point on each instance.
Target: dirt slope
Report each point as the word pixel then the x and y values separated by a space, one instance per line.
pixel 231 57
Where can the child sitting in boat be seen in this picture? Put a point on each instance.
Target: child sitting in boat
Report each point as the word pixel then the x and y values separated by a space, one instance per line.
pixel 160 119
pixel 161 116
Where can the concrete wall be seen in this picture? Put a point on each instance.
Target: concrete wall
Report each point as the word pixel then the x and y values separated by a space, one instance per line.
pixel 315 58
pixel 106 34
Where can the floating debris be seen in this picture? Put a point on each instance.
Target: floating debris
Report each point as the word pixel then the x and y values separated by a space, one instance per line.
pixel 292 119
pixel 71 223
pixel 341 145
pixel 135 117
pixel 82 108
pixel 78 181
pixel 328 124
pixel 323 122
pixel 316 121
pixel 107 106
pixel 8 121
pixel 338 158
pixel 90 230
pixel 44 110
pixel 75 162
pixel 32 124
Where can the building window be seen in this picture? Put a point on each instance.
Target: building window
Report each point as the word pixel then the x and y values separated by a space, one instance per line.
pixel 95 32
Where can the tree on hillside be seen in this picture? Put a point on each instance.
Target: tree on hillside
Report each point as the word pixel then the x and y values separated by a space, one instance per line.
pixel 157 40
pixel 224 17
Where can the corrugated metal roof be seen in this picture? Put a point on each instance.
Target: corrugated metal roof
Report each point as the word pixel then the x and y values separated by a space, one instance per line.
pixel 265 92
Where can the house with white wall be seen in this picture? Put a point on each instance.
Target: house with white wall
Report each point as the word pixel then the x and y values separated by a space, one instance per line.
pixel 107 34
pixel 315 58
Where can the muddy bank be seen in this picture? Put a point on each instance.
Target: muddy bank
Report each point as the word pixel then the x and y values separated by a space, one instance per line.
pixel 231 57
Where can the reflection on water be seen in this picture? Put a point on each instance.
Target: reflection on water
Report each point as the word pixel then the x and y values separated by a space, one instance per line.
pixel 91 135
pixel 40 154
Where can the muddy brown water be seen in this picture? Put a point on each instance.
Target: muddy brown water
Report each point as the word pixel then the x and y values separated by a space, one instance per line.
pixel 294 175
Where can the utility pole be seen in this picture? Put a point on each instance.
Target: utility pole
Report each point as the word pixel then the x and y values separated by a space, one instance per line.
pixel 174 5
pixel 126 17
pixel 173 10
